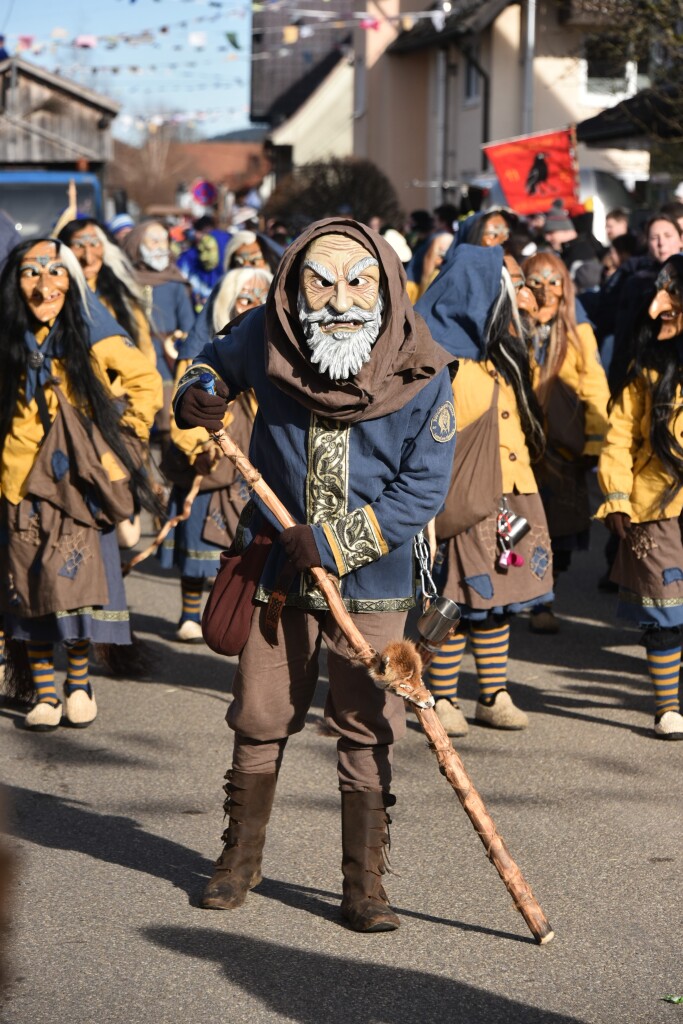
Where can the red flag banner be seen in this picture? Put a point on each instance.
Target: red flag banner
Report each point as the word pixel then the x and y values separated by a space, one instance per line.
pixel 535 170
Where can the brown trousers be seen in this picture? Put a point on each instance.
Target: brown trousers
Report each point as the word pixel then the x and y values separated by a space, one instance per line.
pixel 274 687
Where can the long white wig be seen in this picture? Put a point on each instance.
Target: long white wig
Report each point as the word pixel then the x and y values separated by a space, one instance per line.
pixel 230 288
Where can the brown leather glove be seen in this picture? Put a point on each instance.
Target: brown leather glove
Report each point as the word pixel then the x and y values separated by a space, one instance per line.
pixel 197 408
pixel 618 523
pixel 301 548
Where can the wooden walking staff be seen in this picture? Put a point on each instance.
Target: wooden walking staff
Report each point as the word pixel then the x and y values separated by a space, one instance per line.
pixel 166 528
pixel 399 669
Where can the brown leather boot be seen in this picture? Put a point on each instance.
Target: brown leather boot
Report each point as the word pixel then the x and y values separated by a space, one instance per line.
pixel 238 869
pixel 365 848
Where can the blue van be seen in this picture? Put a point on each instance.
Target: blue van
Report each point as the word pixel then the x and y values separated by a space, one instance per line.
pixel 35 199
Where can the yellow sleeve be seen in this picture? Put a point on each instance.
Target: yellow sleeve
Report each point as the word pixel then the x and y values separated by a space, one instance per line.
pixel 139 381
pixel 593 390
pixel 472 391
pixel 413 291
pixel 144 335
pixel 615 467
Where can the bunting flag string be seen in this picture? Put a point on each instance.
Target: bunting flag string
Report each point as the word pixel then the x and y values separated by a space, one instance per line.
pixel 289 34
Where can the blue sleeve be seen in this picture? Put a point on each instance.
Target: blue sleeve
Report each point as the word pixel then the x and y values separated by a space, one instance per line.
pixel 414 496
pixel 200 335
pixel 184 311
pixel 231 358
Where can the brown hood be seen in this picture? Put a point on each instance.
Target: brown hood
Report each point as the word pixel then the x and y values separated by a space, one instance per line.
pixel 404 358
pixel 144 274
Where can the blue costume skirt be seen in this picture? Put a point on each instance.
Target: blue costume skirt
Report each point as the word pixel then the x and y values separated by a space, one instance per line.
pixel 649 571
pixel 184 548
pixel 107 625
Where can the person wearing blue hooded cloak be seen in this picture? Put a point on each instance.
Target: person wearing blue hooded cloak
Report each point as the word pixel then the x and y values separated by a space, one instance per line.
pixel 355 433
pixel 494 556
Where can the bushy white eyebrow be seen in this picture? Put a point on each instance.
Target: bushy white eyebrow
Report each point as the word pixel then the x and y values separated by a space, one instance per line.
pixel 41 263
pixel 356 269
pixel 318 269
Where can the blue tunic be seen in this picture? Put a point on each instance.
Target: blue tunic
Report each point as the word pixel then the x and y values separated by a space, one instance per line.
pixel 171 311
pixel 365 488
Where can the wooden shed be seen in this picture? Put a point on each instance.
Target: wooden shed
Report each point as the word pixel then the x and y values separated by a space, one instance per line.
pixel 49 122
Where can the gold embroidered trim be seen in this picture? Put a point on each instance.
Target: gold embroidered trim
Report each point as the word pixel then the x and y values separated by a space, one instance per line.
pixel 95 613
pixel 314 601
pixel 327 479
pixel 191 376
pixel 617 496
pixel 206 556
pixel 628 597
pixel 327 482
pixel 355 539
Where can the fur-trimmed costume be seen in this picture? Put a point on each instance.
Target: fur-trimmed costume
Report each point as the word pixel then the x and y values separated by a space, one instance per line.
pixel 364 462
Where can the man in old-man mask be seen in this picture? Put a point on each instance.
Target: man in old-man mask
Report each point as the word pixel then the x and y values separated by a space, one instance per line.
pixel 355 434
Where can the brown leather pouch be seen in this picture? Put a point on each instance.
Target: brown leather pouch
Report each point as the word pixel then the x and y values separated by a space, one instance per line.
pixel 227 615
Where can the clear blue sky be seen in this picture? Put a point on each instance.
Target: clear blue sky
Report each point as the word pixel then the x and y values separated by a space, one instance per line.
pixel 217 84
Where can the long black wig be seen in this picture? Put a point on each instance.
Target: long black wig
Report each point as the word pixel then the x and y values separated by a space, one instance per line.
pixel 90 393
pixel 509 352
pixel 661 365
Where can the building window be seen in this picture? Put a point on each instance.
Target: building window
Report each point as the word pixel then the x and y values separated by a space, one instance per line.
pixel 472 78
pixel 611 71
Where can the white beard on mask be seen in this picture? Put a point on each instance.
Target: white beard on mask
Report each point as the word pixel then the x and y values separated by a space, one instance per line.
pixel 340 354
pixel 156 259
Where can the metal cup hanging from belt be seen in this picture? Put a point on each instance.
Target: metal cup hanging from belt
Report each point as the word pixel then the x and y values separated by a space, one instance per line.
pixel 510 529
pixel 442 616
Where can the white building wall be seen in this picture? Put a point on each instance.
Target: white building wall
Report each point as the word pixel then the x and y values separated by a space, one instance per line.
pixel 323 126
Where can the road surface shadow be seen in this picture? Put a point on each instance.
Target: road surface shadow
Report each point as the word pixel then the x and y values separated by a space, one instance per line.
pixel 60 823
pixel 317 902
pixel 309 987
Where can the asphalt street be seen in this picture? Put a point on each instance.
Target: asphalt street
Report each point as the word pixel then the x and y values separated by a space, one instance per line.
pixel 114 828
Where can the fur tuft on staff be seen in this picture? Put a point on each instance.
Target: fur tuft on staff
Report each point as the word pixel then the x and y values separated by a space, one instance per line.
pixel 399 669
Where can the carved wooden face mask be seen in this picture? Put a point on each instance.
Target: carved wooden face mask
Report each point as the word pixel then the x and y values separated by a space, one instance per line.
pixel 253 292
pixel 496 231
pixel 340 304
pixel 88 250
pixel 154 248
pixel 547 284
pixel 44 281
pixel 667 307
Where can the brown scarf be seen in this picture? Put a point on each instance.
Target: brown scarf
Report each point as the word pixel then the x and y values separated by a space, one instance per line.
pixel 144 275
pixel 404 358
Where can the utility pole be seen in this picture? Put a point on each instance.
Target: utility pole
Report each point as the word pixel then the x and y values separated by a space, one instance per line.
pixel 529 52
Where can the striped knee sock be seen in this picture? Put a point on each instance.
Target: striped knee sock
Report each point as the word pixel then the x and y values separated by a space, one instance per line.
pixel 77 667
pixel 444 668
pixel 664 668
pixel 42 663
pixel 191 590
pixel 490 650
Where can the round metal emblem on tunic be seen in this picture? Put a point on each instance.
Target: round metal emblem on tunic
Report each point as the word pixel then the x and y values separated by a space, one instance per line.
pixel 35 360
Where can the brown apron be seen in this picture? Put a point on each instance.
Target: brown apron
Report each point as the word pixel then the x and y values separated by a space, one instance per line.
pixel 650 562
pixel 561 477
pixel 472 576
pixel 52 560
pixel 476 481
